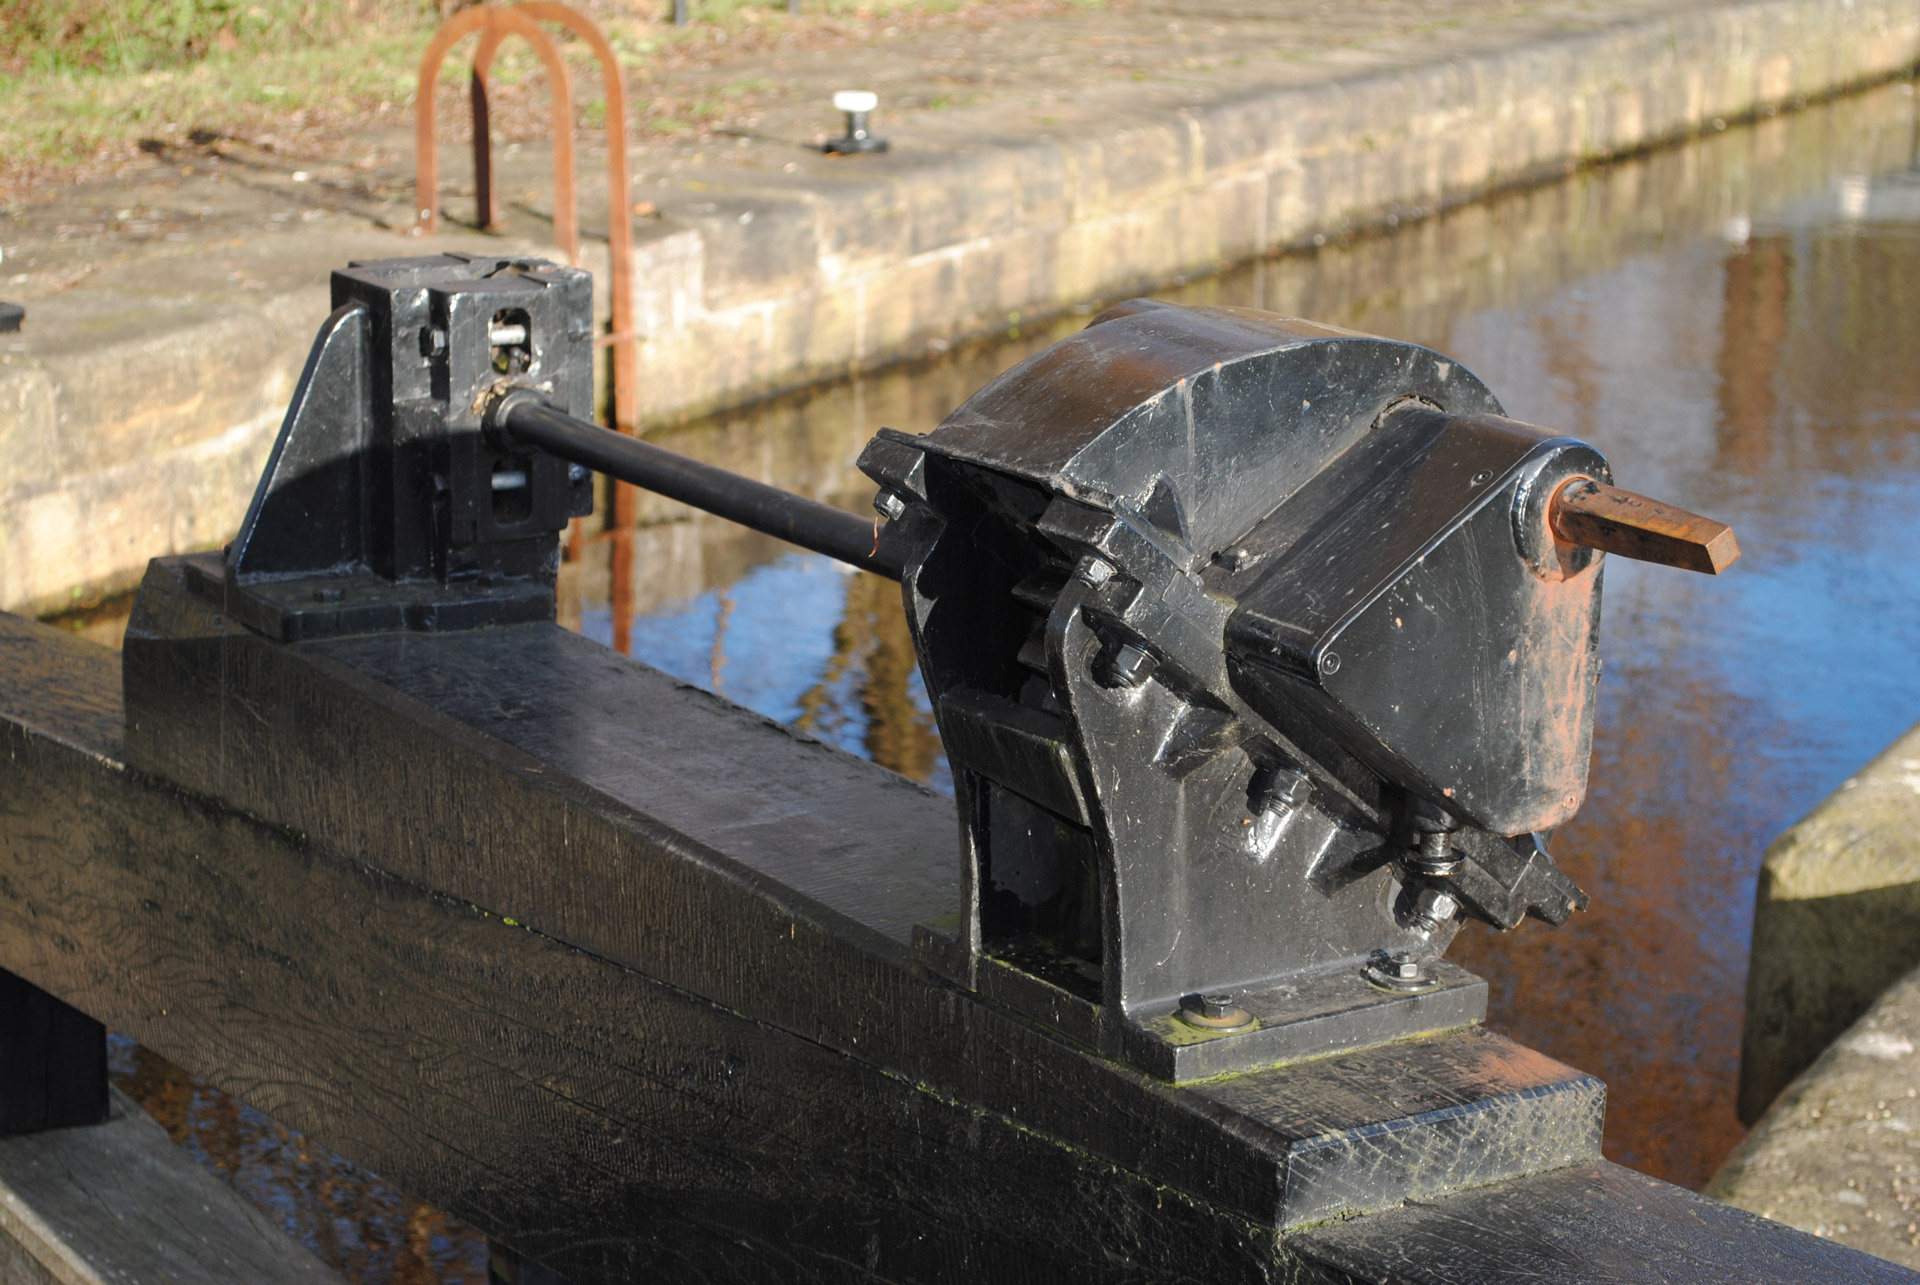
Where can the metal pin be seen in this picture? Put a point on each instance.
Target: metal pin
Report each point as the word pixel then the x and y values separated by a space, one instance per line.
pixel 507 336
pixel 1602 517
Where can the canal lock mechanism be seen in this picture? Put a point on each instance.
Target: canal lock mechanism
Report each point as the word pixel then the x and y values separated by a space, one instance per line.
pixel 1263 653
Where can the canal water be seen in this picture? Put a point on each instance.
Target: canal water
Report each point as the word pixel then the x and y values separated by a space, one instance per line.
pixel 1735 322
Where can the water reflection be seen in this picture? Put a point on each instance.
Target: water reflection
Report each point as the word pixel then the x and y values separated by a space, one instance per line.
pixel 1731 322
pixel 353 1222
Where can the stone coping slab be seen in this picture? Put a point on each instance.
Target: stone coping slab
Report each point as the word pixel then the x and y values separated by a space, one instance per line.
pixel 1836 921
pixel 1839 1153
pixel 138 402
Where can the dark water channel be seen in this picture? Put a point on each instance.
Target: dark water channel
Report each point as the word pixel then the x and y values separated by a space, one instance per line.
pixel 1735 322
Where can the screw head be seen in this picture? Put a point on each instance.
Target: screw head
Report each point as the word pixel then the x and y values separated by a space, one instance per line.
pixel 1330 662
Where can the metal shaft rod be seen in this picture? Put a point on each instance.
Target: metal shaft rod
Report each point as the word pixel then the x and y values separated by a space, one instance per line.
pixel 767 509
pixel 1633 526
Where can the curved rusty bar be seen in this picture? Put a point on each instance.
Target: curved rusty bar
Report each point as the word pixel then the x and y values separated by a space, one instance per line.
pixel 427 183
pixel 620 269
pixel 619 202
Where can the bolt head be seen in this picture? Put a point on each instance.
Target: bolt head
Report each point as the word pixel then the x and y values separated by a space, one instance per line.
pixel 1096 571
pixel 1216 1012
pixel 1435 906
pixel 1128 665
pixel 1286 790
pixel 1399 970
pixel 888 505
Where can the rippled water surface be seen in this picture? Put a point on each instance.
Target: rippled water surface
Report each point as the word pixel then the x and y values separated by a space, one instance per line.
pixel 1735 322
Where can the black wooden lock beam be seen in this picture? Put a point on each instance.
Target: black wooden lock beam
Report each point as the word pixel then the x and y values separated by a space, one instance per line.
pixel 1262 653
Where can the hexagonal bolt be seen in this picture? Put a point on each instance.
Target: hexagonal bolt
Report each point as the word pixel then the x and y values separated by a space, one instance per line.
pixel 1399 970
pixel 1095 571
pixel 1281 789
pixel 1215 1012
pixel 1434 908
pixel 1433 854
pixel 1402 964
pixel 1127 665
pixel 888 505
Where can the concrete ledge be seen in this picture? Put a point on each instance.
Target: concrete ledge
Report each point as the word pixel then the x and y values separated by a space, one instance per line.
pixel 133 420
pixel 1836 921
pixel 773 283
pixel 1839 1153
pixel 119 1202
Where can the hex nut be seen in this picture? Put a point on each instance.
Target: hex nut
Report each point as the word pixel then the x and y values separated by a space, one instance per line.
pixel 1127 665
pixel 1434 906
pixel 1096 571
pixel 1214 1012
pixel 1399 971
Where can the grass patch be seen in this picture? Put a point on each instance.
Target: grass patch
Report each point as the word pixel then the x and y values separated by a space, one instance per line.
pixel 90 82
pixel 88 85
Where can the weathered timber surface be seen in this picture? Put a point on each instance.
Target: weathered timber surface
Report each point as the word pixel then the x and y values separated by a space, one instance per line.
pixel 867 843
pixel 119 1202
pixel 613 1125
pixel 443 786
pixel 606 1124
pixel 1590 1223
pixel 795 1101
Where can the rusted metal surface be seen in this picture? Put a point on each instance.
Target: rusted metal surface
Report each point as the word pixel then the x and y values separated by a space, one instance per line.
pixel 503 21
pixel 1597 516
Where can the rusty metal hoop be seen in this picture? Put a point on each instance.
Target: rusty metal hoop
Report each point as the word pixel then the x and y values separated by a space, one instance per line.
pixel 619 193
pixel 489 18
